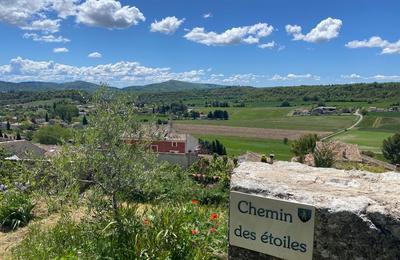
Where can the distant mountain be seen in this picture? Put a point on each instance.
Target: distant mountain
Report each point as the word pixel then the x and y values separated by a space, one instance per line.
pixel 167 86
pixel 172 86
pixel 45 86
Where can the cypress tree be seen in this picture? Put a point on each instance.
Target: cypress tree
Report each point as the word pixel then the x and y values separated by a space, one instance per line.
pixel 84 120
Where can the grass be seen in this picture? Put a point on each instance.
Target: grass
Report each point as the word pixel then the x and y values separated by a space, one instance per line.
pixel 240 145
pixel 366 140
pixel 275 118
pixel 381 121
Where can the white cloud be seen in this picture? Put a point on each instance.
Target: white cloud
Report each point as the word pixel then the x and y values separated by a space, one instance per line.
pixel 292 76
pixel 326 30
pixel 65 8
pixel 208 15
pixel 241 79
pixel 120 73
pixel 33 14
pixel 352 76
pixel 60 50
pixel 45 38
pixel 237 35
pixel 46 25
pixel 268 45
pixel 386 77
pixel 95 55
pixel 376 42
pixel 168 25
pixel 109 14
pixel 19 12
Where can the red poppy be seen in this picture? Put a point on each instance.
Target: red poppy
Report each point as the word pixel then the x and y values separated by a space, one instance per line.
pixel 213 230
pixel 214 216
pixel 195 231
pixel 195 202
pixel 146 222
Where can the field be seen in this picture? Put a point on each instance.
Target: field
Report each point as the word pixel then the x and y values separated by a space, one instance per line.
pixel 248 132
pixel 366 140
pixel 240 145
pixel 275 118
pixel 375 127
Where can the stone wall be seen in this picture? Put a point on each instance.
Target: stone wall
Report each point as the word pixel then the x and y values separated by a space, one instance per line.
pixel 357 213
pixel 183 160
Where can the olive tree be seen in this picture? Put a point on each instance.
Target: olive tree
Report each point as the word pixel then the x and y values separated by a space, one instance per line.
pixel 107 161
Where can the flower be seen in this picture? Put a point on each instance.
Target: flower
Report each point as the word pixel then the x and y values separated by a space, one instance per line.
pixel 146 222
pixel 213 230
pixel 195 231
pixel 214 216
pixel 195 202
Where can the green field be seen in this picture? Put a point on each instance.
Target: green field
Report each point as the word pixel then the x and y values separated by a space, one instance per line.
pixel 276 118
pixel 371 132
pixel 366 140
pixel 240 145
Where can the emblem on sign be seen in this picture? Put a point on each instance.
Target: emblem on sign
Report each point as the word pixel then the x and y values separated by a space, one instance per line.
pixel 304 214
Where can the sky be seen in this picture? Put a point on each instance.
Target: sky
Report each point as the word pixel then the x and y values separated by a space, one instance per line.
pixel 238 42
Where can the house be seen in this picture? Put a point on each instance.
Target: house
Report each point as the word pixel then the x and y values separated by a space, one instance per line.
pixel 175 143
pixel 22 149
pixel 301 112
pixel 324 110
pixel 173 147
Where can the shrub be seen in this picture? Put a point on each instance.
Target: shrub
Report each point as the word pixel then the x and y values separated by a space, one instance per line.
pixel 264 159
pixel 52 134
pixel 391 148
pixel 368 153
pixel 323 156
pixel 285 140
pixel 172 231
pixel 304 145
pixel 15 209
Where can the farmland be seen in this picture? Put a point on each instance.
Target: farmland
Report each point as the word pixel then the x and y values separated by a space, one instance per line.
pixel 375 127
pixel 276 118
pixel 239 145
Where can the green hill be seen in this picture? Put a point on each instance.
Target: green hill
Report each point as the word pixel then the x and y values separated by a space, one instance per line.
pixel 172 85
pixel 46 86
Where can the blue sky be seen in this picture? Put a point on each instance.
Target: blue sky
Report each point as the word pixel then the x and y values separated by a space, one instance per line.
pixel 258 42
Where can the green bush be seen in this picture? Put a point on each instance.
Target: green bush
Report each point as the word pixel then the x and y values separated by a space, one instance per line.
pixel 304 145
pixel 391 148
pixel 52 135
pixel 323 156
pixel 169 231
pixel 264 159
pixel 15 209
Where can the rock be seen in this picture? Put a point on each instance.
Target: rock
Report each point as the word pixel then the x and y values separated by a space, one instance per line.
pixel 357 212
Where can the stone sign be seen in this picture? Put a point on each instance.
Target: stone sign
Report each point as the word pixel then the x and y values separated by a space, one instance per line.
pixel 271 226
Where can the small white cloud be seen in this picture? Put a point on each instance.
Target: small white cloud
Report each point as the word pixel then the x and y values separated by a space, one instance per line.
pixel 237 35
pixel 168 25
pixel 269 45
pixel 208 15
pixel 60 50
pixel 352 76
pixel 46 25
pixel 387 77
pixel 326 30
pixel 95 55
pixel 45 38
pixel 109 14
pixel 376 42
pixel 292 76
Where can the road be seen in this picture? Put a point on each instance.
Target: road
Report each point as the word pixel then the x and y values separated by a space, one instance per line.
pixel 360 118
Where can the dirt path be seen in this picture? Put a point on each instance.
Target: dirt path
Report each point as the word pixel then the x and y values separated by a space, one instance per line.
pixel 377 122
pixel 262 133
pixel 360 119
